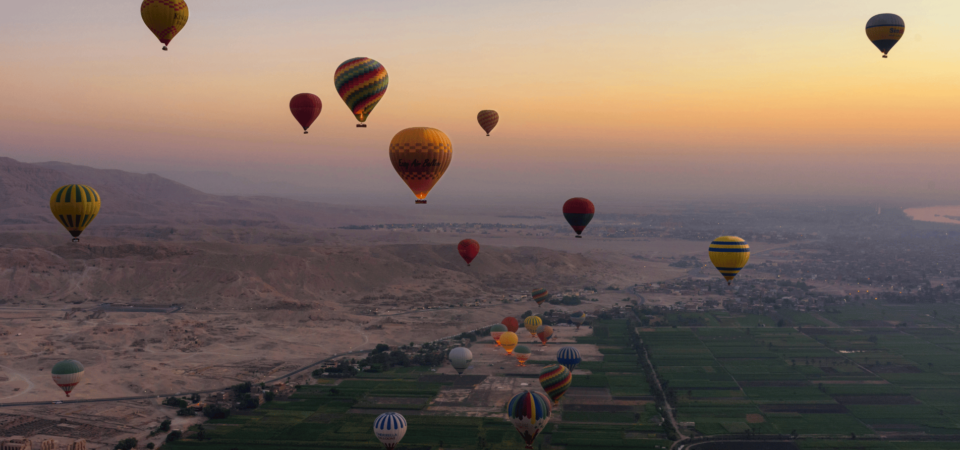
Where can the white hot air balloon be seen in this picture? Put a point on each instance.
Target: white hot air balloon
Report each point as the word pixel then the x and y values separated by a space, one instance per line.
pixel 460 359
pixel 390 428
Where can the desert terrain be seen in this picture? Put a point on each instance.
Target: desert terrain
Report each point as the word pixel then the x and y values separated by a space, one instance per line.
pixel 172 290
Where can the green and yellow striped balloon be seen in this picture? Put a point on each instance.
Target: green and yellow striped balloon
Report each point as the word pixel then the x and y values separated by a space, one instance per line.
pixel 729 254
pixel 75 206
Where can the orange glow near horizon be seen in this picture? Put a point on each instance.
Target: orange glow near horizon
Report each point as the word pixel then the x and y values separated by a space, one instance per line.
pixel 622 83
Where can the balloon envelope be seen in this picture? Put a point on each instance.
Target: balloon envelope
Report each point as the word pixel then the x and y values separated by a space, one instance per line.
pixel 578 318
pixel 569 357
pixel 75 206
pixel 67 374
pixel 164 18
pixel 729 254
pixel 389 428
pixel 532 323
pixel 361 83
pixel 305 108
pixel 496 331
pixel 544 332
pixel 579 212
pixel 529 412
pixel 460 359
pixel 511 323
pixel 488 119
pixel 420 156
pixel 555 379
pixel 540 295
pixel 522 352
pixel 885 30
pixel 468 249
pixel 509 341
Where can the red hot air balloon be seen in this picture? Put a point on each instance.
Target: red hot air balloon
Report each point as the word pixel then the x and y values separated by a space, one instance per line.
pixel 512 324
pixel 305 108
pixel 468 249
pixel 578 211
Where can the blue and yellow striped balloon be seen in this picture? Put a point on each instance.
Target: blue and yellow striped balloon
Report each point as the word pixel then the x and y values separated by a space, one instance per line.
pixel 361 83
pixel 729 254
pixel 529 411
pixel 884 30
pixel 75 206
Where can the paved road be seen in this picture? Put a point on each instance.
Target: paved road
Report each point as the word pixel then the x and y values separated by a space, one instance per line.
pixel 180 394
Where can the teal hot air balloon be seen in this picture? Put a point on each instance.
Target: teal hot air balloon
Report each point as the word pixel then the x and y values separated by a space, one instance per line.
pixel 67 374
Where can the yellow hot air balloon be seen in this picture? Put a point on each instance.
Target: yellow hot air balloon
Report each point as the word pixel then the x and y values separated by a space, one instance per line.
pixel 165 18
pixel 421 156
pixel 531 324
pixel 509 341
pixel 729 254
pixel 75 206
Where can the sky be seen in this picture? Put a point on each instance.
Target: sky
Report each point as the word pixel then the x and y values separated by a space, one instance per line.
pixel 624 102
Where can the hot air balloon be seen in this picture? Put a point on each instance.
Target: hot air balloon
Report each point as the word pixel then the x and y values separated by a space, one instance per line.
pixel 578 318
pixel 468 249
pixel 729 254
pixel 529 411
pixel 884 30
pixel 544 332
pixel 67 374
pixel 509 341
pixel 579 212
pixel 75 206
pixel 522 352
pixel 511 323
pixel 390 428
pixel 540 295
pixel 569 357
pixel 496 331
pixel 421 156
pixel 460 359
pixel 531 324
pixel 165 18
pixel 305 108
pixel 361 83
pixel 488 119
pixel 555 380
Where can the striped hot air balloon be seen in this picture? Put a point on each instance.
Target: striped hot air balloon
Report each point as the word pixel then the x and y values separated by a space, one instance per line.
pixel 885 30
pixel 511 323
pixel 544 332
pixel 496 331
pixel 569 357
pixel 420 156
pixel 729 254
pixel 389 428
pixel 522 352
pixel 305 108
pixel 165 18
pixel 555 380
pixel 468 249
pixel 540 295
pixel 67 374
pixel 578 318
pixel 579 212
pixel 509 341
pixel 75 206
pixel 460 359
pixel 488 119
pixel 361 83
pixel 531 324
pixel 529 412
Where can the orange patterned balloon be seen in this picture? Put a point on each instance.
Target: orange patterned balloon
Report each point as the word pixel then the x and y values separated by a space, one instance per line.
pixel 421 156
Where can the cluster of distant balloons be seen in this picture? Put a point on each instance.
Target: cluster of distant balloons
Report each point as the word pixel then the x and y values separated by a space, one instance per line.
pixel 421 156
